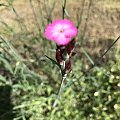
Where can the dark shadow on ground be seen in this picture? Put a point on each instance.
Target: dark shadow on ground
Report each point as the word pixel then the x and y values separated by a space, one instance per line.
pixel 6 107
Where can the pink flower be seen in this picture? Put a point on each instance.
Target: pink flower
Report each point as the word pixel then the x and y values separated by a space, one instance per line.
pixel 61 31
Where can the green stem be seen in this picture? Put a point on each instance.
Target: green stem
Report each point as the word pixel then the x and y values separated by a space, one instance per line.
pixel 60 89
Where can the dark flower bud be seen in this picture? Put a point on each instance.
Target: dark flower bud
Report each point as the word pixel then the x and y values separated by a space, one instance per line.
pixel 70 46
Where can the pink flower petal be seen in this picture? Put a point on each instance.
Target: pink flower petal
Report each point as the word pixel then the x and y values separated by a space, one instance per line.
pixel 62 40
pixel 67 24
pixel 50 32
pixel 71 32
pixel 61 31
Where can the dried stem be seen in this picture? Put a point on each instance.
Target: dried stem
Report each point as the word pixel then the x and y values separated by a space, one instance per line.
pixel 63 9
pixel 101 57
pixel 35 17
pixel 81 14
pixel 108 49
pixel 86 22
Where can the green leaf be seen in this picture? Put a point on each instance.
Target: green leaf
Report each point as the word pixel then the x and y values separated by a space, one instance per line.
pixel 2 78
pixel 6 64
pixel 53 61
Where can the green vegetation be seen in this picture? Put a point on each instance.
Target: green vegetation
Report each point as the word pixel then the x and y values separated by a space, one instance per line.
pixel 29 81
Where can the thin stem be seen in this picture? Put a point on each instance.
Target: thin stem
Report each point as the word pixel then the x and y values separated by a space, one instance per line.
pixel 101 57
pixel 60 89
pixel 109 48
pixel 41 14
pixel 81 14
pixel 21 24
pixel 35 17
pixel 86 22
pixel 63 9
pixel 51 10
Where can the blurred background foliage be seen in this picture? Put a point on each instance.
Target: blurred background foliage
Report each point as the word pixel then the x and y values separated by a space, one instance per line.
pixel 29 81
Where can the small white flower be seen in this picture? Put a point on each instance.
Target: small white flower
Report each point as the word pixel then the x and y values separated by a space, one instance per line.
pixel 96 93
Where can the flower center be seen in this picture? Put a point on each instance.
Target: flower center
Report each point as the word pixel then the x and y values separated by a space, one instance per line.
pixel 61 31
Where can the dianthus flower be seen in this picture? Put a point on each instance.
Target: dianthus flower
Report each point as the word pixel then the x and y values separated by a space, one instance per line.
pixel 61 31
